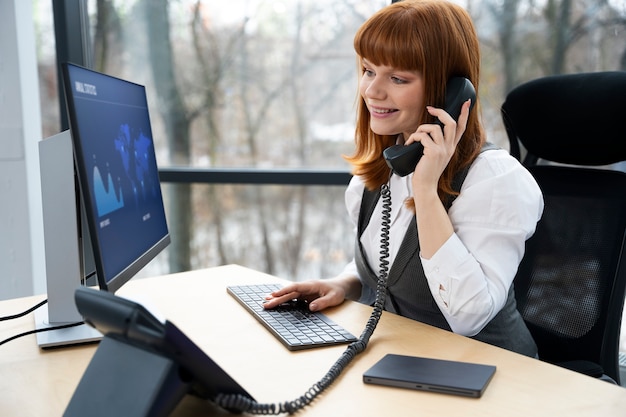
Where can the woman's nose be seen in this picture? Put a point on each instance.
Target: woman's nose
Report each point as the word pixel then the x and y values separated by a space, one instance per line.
pixel 374 89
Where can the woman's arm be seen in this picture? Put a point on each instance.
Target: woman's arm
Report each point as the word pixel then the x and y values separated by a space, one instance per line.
pixel 497 211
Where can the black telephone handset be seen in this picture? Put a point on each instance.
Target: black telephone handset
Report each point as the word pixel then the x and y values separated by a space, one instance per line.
pixel 403 159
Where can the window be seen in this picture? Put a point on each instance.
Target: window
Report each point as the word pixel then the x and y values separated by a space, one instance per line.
pixel 271 84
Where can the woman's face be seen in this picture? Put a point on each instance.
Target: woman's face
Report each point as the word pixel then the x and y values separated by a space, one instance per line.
pixel 394 98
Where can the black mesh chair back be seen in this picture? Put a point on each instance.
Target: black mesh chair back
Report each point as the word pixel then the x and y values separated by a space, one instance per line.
pixel 571 284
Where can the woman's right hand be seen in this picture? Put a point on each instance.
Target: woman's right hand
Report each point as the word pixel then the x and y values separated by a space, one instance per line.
pixel 319 294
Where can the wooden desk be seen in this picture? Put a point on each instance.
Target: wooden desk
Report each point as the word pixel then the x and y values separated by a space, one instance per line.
pixel 40 383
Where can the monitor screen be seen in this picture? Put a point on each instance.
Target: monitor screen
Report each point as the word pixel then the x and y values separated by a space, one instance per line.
pixel 117 172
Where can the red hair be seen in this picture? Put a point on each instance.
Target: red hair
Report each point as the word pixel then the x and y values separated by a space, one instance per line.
pixel 437 39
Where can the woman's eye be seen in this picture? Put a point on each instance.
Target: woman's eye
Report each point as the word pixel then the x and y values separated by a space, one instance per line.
pixel 368 72
pixel 397 80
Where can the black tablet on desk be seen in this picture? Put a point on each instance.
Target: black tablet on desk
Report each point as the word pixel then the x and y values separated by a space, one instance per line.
pixel 434 375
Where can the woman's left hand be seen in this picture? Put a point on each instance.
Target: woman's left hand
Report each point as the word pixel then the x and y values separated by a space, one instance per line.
pixel 439 144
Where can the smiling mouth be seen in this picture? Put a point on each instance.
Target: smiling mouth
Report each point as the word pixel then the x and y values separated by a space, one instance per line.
pixel 383 111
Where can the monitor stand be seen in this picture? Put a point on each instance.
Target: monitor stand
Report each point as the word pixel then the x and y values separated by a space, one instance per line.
pixel 66 248
pixel 68 336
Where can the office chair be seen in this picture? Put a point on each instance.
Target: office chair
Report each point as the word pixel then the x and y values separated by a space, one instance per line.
pixel 571 283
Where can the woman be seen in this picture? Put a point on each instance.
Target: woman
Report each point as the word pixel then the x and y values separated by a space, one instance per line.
pixel 458 223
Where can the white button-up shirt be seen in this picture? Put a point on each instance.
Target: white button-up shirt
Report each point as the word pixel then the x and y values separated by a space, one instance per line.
pixel 470 275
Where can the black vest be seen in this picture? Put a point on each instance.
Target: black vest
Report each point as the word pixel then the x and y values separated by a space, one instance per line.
pixel 408 293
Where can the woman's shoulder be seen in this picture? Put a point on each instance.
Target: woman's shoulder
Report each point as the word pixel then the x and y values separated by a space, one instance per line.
pixel 501 190
pixel 497 170
pixel 356 184
pixel 353 195
pixel 495 161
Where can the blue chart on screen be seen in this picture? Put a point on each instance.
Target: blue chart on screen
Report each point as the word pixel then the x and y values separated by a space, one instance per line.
pixel 133 150
pixel 108 197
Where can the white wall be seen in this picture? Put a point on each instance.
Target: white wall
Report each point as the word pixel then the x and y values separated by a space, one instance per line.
pixel 22 270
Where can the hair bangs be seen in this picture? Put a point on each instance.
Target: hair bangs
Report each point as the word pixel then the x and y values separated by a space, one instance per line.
pixel 383 40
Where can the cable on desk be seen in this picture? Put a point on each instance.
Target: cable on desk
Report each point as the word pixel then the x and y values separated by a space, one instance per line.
pixel 43 329
pixel 239 403
pixel 22 314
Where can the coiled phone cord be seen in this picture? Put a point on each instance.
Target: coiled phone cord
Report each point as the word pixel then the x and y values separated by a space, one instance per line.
pixel 239 403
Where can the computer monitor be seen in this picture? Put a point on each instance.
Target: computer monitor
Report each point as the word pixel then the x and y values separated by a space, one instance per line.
pixel 118 205
pixel 117 172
